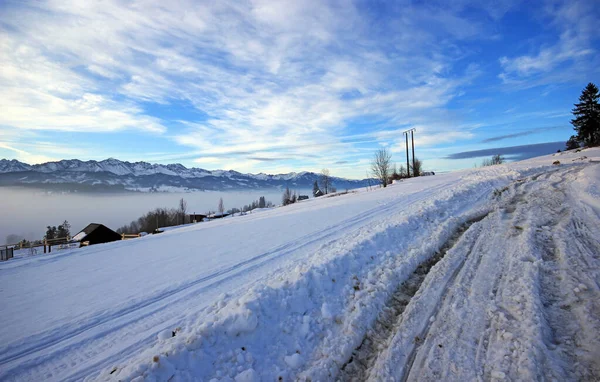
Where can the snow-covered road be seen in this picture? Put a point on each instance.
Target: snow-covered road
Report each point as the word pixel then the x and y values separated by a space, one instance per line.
pixel 516 297
pixel 484 273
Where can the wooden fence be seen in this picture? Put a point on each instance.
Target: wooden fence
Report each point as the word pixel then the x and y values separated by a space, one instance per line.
pixel 46 243
pixel 6 251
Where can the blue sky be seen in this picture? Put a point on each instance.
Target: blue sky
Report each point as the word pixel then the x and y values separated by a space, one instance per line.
pixel 276 86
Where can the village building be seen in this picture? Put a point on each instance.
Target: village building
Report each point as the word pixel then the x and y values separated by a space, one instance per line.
pixel 96 233
pixel 196 218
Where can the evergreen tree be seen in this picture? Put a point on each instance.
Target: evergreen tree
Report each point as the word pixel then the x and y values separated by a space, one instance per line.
pixel 572 143
pixel 51 232
pixel 587 116
pixel 315 189
pixel 64 229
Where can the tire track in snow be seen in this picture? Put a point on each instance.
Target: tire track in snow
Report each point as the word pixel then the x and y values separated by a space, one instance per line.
pixel 379 337
pixel 424 333
pixel 570 258
pixel 437 294
pixel 457 281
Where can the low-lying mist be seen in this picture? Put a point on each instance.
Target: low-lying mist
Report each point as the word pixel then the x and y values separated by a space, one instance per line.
pixel 27 212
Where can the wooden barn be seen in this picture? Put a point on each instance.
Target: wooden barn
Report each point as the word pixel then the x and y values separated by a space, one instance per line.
pixel 96 233
pixel 196 218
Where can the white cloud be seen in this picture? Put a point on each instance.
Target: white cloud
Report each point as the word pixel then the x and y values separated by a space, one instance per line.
pixel 574 24
pixel 273 79
pixel 41 94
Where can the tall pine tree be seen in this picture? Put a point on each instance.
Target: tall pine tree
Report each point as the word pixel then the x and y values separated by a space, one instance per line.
pixel 587 116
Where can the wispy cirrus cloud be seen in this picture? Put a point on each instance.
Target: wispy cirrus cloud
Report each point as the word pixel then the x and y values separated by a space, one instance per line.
pixel 570 54
pixel 260 85
pixel 264 74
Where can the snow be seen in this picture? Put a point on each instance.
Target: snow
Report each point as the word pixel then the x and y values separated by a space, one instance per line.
pixel 79 236
pixel 292 292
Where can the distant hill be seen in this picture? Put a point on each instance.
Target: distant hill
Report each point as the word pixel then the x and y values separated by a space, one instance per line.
pixel 115 175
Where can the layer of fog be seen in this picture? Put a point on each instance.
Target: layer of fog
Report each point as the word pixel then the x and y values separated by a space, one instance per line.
pixel 27 212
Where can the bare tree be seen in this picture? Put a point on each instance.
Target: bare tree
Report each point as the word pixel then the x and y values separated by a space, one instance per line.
pixel 325 180
pixel 417 168
pixel 182 210
pixel 402 172
pixel 380 167
pixel 287 197
pixel 221 207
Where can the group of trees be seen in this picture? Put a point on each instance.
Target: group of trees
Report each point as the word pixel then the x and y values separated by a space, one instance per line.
pixel 20 240
pixel 288 197
pixel 382 170
pixel 324 185
pixel 168 217
pixel 587 119
pixel 159 217
pixel 494 160
pixel 62 231
pixel 151 220
pixel 325 182
pixel 260 203
pixel 52 232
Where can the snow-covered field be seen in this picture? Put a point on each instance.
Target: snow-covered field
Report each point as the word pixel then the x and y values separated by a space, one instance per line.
pixel 489 273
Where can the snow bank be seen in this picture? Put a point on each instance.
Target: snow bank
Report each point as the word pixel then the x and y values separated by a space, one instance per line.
pixel 288 292
pixel 315 312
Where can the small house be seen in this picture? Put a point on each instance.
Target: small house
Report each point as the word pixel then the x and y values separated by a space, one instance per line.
pixel 318 193
pixel 96 234
pixel 302 197
pixel 196 218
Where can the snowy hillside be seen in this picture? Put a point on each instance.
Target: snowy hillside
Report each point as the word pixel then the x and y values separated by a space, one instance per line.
pixel 113 174
pixel 482 274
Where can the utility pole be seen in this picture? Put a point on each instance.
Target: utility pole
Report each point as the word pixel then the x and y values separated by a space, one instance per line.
pixel 412 137
pixel 407 162
pixel 413 150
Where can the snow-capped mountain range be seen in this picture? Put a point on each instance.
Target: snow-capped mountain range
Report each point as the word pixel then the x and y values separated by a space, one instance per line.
pixel 114 175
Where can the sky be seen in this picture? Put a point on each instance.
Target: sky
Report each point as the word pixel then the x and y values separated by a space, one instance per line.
pixel 279 86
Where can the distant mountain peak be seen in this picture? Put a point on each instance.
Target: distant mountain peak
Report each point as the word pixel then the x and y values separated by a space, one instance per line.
pixel 143 176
